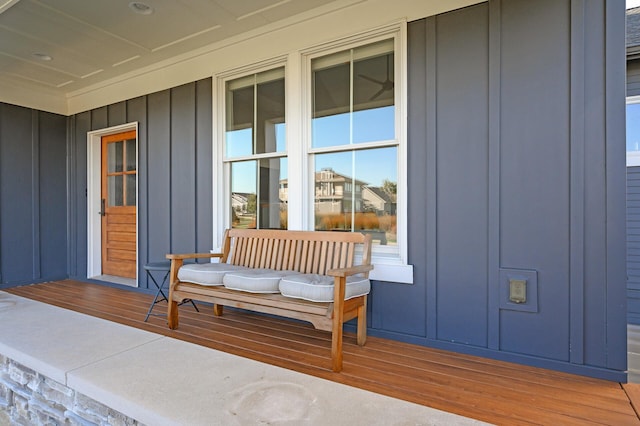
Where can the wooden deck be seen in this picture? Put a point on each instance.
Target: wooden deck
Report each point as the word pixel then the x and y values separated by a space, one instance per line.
pixel 492 391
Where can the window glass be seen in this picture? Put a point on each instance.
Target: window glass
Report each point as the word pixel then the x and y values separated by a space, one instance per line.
pixel 255 145
pixel 357 191
pixel 243 194
pixel 633 127
pixel 257 198
pixel 255 108
pixel 353 96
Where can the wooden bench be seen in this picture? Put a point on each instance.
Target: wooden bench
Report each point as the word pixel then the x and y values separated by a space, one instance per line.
pixel 308 252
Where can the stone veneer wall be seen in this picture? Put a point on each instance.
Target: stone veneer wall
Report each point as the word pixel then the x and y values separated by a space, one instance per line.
pixel 29 398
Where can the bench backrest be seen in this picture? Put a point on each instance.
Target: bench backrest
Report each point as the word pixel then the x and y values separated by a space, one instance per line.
pixel 309 252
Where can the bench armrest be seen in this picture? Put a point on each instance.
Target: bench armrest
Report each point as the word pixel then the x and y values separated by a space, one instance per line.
pixel 192 255
pixel 345 272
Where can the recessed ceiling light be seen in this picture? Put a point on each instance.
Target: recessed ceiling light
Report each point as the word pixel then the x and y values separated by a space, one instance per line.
pixel 141 8
pixel 42 56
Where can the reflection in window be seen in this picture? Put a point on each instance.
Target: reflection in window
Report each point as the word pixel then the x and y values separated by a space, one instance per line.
pixel 255 114
pixel 354 96
pixel 354 143
pixel 256 189
pixel 357 191
pixel 255 126
pixel 633 127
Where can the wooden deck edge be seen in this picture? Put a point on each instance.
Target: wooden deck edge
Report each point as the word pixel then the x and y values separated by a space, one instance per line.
pixel 633 393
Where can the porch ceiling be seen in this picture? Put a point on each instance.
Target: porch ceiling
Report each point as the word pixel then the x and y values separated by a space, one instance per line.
pixel 68 56
pixel 67 45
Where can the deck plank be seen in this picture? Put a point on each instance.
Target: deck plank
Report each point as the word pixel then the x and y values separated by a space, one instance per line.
pixel 493 391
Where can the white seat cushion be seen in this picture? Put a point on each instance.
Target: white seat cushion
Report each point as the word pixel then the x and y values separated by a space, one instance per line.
pixel 319 288
pixel 206 273
pixel 255 280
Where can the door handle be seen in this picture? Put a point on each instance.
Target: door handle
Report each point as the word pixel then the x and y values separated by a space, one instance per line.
pixel 102 212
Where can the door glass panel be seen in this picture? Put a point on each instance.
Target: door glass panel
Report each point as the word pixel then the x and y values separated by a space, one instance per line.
pixel 115 190
pixel 114 157
pixel 131 190
pixel 131 154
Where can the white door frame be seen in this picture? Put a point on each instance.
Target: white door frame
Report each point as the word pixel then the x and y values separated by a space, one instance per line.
pixel 94 193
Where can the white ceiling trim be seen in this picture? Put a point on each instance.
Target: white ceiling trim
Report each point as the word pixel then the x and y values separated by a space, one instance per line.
pixel 190 36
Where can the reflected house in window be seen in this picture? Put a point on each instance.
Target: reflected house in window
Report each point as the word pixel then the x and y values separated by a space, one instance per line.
pixel 334 192
pixel 239 202
pixel 379 201
pixel 337 193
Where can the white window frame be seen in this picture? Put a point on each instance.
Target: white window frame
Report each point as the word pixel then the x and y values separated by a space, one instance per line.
pixel 633 157
pixel 389 264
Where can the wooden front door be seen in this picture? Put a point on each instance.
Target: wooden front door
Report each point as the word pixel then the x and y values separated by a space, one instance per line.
pixel 118 210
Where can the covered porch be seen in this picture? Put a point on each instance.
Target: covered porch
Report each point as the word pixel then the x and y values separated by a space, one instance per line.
pixel 478 388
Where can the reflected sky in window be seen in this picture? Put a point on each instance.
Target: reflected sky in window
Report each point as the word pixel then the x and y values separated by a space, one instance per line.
pixel 633 127
pixel 369 125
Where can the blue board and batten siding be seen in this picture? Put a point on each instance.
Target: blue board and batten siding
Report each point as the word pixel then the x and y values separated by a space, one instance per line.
pixel 33 196
pixel 515 165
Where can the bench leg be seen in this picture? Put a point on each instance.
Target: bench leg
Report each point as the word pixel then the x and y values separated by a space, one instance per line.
pixel 217 309
pixel 172 309
pixel 172 314
pixel 338 320
pixel 362 323
pixel 336 349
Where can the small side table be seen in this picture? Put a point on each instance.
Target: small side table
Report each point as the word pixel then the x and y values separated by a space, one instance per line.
pixel 162 266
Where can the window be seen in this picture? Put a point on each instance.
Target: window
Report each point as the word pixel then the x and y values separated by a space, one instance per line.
pixel 354 141
pixel 316 140
pixel 255 149
pixel 633 131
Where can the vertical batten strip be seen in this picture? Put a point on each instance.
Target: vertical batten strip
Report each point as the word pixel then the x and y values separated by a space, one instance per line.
pixel 577 182
pixel 493 257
